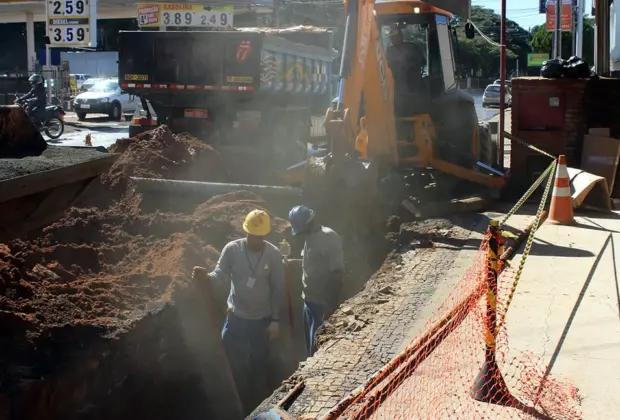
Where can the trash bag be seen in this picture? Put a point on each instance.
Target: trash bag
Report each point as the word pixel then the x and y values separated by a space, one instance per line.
pixel 576 68
pixel 552 69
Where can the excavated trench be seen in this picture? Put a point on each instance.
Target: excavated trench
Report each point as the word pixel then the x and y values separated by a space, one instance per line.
pixel 99 316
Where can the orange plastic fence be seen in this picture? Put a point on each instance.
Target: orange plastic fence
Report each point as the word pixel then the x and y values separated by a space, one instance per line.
pixel 461 368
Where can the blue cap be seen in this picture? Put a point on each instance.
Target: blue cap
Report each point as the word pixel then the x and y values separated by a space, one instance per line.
pixel 300 217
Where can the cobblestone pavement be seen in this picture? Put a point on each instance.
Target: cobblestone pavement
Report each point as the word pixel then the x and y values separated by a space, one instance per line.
pixel 368 330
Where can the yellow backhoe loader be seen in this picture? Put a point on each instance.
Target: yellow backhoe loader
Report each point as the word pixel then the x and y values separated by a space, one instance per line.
pixel 400 120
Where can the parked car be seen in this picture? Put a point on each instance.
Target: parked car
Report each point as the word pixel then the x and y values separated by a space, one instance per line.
pixel 491 96
pixel 499 82
pixel 80 79
pixel 105 97
pixel 88 83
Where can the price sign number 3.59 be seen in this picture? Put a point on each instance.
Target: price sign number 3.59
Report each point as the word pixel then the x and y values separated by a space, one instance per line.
pixel 69 34
pixel 69 8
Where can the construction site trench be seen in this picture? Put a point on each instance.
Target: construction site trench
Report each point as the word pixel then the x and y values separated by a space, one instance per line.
pixel 99 314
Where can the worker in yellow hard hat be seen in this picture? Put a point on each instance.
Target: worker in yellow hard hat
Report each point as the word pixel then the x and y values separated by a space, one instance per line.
pixel 255 271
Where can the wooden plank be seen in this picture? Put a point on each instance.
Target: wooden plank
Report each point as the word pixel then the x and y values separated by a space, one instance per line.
pixel 41 181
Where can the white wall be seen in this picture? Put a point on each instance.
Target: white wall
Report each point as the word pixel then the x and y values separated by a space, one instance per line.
pixel 97 64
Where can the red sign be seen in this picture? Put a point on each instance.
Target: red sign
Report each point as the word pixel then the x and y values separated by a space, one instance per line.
pixel 196 113
pixel 243 50
pixel 567 16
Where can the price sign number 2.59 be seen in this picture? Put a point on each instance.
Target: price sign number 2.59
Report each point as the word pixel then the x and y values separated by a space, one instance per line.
pixel 69 34
pixel 69 8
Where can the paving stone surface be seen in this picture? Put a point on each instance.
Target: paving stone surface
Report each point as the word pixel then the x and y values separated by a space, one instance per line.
pixel 371 328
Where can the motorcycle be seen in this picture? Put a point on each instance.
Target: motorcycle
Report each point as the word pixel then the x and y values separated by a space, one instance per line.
pixel 52 122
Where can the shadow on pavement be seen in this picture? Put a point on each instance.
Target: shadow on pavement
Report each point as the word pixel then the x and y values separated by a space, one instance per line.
pixel 548 249
pixel 573 313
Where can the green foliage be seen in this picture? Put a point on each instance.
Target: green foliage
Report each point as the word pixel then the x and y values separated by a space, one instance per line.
pixel 478 55
pixel 542 41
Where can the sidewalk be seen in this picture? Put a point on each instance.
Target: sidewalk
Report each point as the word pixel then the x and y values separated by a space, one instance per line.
pixel 566 309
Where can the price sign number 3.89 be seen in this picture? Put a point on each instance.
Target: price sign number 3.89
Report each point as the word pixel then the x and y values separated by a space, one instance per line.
pixel 69 8
pixel 210 19
pixel 69 34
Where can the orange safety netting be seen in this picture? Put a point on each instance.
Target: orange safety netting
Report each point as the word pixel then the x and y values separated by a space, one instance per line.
pixel 434 378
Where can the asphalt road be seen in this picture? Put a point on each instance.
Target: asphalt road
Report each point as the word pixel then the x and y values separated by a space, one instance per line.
pixel 104 132
pixel 484 114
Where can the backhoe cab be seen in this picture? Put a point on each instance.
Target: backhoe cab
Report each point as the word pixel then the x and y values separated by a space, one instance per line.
pixel 398 70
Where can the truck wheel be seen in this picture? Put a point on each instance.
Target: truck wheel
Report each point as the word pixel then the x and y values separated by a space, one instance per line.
pixel 286 146
pixel 81 116
pixel 116 112
pixel 455 133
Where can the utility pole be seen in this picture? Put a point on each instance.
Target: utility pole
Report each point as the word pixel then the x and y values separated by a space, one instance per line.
pixel 602 38
pixel 573 29
pixel 581 6
pixel 557 33
pixel 502 89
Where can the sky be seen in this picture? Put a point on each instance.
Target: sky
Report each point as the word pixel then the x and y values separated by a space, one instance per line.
pixel 524 12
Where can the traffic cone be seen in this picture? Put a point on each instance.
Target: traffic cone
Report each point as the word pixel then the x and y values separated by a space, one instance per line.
pixel 561 211
pixel 88 140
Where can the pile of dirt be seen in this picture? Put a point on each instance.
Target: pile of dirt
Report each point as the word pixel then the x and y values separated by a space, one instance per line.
pixel 105 268
pixel 158 153
pixel 18 135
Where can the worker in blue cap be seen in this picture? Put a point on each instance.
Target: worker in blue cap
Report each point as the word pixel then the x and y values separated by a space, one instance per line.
pixel 322 269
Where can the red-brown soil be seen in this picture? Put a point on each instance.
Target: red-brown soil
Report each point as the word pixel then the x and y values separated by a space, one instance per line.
pixel 107 260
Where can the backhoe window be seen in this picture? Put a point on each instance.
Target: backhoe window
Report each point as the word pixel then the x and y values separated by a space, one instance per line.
pixel 414 38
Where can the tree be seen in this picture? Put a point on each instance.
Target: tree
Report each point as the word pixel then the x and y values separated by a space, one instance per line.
pixel 542 41
pixel 479 55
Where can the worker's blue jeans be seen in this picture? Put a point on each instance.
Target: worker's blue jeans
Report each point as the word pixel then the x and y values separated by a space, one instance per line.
pixel 313 319
pixel 247 348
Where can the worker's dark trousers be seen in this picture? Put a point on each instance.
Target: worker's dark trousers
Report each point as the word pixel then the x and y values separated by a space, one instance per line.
pixel 313 319
pixel 247 348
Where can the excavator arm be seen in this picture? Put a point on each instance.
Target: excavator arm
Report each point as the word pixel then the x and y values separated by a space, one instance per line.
pixel 365 87
pixel 430 125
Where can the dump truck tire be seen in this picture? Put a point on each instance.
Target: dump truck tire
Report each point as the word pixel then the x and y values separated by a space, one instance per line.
pixel 18 135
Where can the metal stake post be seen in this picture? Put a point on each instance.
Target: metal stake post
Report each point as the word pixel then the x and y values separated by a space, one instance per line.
pixel 489 385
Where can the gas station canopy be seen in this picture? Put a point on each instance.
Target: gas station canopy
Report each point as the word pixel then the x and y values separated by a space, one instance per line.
pixel 12 11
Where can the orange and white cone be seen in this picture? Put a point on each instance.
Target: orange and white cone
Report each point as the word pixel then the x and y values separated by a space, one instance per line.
pixel 561 211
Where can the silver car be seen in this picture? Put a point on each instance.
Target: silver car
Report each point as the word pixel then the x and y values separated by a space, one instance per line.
pixel 491 96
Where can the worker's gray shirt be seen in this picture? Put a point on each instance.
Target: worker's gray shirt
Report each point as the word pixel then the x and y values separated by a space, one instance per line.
pixel 256 279
pixel 321 257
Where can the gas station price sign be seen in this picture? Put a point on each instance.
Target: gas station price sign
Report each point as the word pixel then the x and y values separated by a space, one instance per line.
pixel 163 15
pixel 71 23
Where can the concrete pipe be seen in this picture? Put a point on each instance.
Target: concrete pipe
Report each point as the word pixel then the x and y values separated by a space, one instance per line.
pixel 210 189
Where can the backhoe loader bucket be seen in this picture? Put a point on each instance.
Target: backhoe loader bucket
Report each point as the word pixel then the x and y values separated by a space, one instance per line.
pixel 18 135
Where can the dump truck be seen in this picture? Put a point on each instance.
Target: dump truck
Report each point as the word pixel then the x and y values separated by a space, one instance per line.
pixel 260 89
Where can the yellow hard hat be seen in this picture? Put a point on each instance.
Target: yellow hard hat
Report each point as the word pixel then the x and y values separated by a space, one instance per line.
pixel 257 223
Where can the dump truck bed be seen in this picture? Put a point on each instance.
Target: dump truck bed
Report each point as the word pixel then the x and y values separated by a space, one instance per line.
pixel 35 191
pixel 290 62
